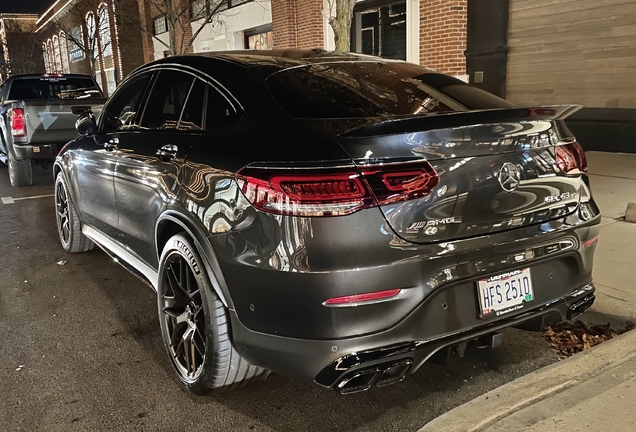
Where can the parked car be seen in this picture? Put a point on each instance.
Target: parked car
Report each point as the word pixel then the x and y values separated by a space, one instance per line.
pixel 37 117
pixel 336 218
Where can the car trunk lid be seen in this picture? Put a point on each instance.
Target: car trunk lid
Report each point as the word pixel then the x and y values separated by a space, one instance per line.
pixel 498 170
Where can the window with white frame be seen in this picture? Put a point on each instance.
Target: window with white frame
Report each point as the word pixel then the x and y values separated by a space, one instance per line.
pixel 379 28
pixel 160 25
pixel 57 54
pixel 64 53
pixel 104 31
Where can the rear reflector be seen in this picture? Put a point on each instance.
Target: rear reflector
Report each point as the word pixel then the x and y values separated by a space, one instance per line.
pixel 18 127
pixel 334 192
pixel 589 243
pixel 356 299
pixel 570 158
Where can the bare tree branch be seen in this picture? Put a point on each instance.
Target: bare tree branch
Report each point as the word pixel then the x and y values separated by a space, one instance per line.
pixel 180 16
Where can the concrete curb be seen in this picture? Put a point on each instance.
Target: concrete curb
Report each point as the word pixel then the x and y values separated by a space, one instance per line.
pixel 630 213
pixel 481 412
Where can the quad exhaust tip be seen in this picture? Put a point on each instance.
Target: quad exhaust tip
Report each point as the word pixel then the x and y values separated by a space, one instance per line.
pixel 379 376
pixel 579 307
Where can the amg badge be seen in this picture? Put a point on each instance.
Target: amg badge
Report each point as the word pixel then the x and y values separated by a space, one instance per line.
pixel 432 223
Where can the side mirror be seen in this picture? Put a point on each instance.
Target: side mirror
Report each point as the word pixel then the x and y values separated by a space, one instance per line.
pixel 86 124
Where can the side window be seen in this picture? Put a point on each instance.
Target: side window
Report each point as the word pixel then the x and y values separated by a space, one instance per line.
pixel 192 117
pixel 166 100
pixel 218 111
pixel 120 113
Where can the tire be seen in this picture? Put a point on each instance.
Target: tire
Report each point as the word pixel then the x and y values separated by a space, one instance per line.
pixel 195 325
pixel 69 227
pixel 20 171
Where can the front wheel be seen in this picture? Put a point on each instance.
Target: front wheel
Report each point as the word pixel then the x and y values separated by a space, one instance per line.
pixel 69 227
pixel 20 172
pixel 195 325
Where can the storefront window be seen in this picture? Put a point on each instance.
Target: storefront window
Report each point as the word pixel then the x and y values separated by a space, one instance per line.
pixel 380 29
pixel 259 38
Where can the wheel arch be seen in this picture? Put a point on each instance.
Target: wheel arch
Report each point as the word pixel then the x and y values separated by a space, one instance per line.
pixel 172 222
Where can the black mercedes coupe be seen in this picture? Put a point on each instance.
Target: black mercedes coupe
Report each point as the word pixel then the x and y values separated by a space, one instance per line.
pixel 337 218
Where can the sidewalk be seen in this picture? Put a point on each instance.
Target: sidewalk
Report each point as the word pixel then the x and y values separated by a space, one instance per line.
pixel 594 390
pixel 591 391
pixel 613 178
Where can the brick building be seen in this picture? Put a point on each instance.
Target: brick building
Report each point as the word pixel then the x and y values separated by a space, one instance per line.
pixel 427 32
pixel 89 37
pixel 239 24
pixel 19 47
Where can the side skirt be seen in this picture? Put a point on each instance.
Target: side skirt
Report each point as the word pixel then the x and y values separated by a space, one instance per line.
pixel 123 257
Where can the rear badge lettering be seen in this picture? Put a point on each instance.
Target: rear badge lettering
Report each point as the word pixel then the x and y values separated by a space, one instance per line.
pixel 432 223
pixel 562 197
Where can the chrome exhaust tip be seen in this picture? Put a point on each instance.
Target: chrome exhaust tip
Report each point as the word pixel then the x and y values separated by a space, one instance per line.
pixel 358 381
pixel 579 307
pixel 379 376
pixel 394 373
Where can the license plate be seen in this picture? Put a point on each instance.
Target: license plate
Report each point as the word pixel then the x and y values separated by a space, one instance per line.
pixel 505 293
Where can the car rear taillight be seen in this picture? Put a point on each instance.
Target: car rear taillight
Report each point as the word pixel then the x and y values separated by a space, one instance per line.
pixel 334 192
pixel 18 126
pixel 400 182
pixel 315 193
pixel 570 158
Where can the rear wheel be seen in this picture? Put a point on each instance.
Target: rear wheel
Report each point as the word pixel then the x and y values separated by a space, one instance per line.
pixel 69 227
pixel 195 325
pixel 20 172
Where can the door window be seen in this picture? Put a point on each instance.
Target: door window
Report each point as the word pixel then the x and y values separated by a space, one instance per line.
pixel 166 100
pixel 121 111
pixel 218 111
pixel 192 117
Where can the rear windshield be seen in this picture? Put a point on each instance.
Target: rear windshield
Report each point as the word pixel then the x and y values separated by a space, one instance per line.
pixel 54 88
pixel 374 89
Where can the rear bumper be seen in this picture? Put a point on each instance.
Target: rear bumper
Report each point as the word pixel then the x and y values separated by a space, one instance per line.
pixel 37 151
pixel 356 364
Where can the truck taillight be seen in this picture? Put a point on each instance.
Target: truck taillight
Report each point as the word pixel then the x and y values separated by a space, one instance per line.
pixel 334 192
pixel 570 158
pixel 18 126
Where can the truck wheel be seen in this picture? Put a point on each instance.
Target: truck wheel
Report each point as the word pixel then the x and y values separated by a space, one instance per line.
pixel 20 173
pixel 195 324
pixel 69 226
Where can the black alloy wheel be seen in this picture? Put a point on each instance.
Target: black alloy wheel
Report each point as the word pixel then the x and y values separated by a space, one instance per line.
pixel 195 324
pixel 61 214
pixel 183 317
pixel 69 227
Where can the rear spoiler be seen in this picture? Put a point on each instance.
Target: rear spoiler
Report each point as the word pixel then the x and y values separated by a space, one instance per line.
pixel 458 119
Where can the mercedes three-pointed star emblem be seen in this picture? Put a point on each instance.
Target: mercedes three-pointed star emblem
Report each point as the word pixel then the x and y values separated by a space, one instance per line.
pixel 509 177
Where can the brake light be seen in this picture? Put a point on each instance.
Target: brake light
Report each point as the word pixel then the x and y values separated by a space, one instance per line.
pixel 311 194
pixel 570 158
pixel 18 126
pixel 400 182
pixel 334 192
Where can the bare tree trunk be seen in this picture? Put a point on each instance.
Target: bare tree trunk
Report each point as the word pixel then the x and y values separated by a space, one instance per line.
pixel 341 24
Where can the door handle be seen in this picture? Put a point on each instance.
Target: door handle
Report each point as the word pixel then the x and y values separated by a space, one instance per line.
pixel 167 152
pixel 112 144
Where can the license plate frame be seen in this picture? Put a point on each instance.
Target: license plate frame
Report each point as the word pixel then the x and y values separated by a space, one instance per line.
pixel 505 293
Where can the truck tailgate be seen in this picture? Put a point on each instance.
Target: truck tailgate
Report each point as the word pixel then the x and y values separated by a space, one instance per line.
pixel 53 120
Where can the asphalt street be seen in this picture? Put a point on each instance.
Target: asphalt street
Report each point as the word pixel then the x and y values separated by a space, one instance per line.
pixel 81 350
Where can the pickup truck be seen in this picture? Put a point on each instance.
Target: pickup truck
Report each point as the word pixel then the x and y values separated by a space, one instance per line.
pixel 37 117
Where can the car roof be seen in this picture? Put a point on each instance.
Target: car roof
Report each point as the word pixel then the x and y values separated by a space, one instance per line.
pixel 27 76
pixel 271 61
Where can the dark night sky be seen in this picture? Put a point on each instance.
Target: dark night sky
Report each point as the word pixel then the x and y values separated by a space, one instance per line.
pixel 25 6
